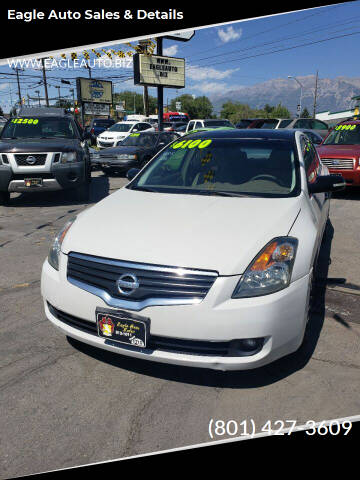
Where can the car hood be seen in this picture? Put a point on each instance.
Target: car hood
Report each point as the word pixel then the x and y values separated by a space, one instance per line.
pixel 23 145
pixel 194 231
pixel 113 134
pixel 343 150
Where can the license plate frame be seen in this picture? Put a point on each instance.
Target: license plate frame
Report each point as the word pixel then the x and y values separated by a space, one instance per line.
pixel 33 182
pixel 126 329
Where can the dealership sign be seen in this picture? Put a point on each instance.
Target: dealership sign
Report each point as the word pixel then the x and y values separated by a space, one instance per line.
pixel 93 90
pixel 157 70
pixel 96 109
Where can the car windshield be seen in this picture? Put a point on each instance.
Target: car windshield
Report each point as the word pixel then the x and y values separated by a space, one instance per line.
pixel 243 123
pixel 344 135
pixel 139 140
pixel 268 124
pixel 39 127
pixel 217 123
pixel 120 127
pixel 228 167
pixel 284 123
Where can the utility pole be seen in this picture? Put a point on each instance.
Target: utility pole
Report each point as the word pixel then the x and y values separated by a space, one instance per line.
pixel 37 91
pixel 45 82
pixel 18 81
pixel 59 95
pixel 88 68
pixel 160 88
pixel 315 93
pixel 143 48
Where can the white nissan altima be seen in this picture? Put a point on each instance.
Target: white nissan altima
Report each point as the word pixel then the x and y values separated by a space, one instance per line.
pixel 204 259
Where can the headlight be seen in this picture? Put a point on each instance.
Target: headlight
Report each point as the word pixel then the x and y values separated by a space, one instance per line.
pixel 67 157
pixel 270 271
pixel 53 257
pixel 125 156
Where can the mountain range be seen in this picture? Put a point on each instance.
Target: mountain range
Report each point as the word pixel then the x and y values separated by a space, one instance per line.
pixel 334 94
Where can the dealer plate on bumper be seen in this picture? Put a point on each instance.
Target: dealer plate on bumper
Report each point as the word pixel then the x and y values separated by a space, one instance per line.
pixel 33 182
pixel 123 327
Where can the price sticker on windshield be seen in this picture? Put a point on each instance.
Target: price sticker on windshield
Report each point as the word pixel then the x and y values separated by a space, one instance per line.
pixel 191 144
pixel 26 121
pixel 134 134
pixel 345 127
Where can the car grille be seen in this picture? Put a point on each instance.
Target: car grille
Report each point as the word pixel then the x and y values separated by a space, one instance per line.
pixel 339 163
pixel 106 144
pixel 176 345
pixel 21 159
pixel 153 281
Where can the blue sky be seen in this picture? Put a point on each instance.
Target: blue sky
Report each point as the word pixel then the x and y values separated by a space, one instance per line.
pixel 219 58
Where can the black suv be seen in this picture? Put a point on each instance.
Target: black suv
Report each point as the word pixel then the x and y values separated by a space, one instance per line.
pixel 44 149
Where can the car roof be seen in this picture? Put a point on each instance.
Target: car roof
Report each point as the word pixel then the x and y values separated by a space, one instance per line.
pixel 349 122
pixel 256 133
pixel 131 121
pixel 42 112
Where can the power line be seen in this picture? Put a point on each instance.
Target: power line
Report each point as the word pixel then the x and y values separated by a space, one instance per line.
pixel 274 28
pixel 284 49
pixel 307 32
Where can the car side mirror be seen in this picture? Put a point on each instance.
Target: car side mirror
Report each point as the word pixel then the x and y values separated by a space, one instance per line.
pixel 327 183
pixel 130 174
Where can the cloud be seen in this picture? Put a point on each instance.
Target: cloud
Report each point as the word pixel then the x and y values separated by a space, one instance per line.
pixel 208 73
pixel 211 87
pixel 229 34
pixel 170 51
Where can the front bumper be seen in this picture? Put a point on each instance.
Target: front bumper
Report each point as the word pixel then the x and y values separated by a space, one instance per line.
pixel 62 176
pixel 119 164
pixel 280 318
pixel 351 177
pixel 108 143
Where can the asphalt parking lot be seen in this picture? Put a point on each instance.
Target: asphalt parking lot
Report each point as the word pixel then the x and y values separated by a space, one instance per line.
pixel 65 404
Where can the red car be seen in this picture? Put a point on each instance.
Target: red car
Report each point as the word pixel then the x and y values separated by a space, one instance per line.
pixel 340 151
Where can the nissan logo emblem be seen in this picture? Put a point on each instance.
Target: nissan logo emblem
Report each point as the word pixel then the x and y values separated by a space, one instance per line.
pixel 127 284
pixel 31 160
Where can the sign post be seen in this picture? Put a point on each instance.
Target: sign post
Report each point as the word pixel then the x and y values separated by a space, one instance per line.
pixel 160 71
pixel 160 89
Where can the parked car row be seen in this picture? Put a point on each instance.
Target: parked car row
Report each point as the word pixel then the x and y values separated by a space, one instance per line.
pixel 319 127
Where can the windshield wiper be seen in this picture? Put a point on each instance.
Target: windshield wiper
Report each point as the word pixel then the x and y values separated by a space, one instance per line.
pixel 222 193
pixel 143 189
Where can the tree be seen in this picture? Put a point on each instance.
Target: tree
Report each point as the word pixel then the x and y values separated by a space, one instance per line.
pixel 237 111
pixel 1 112
pixel 199 107
pixel 132 97
pixel 305 113
pixel 280 112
